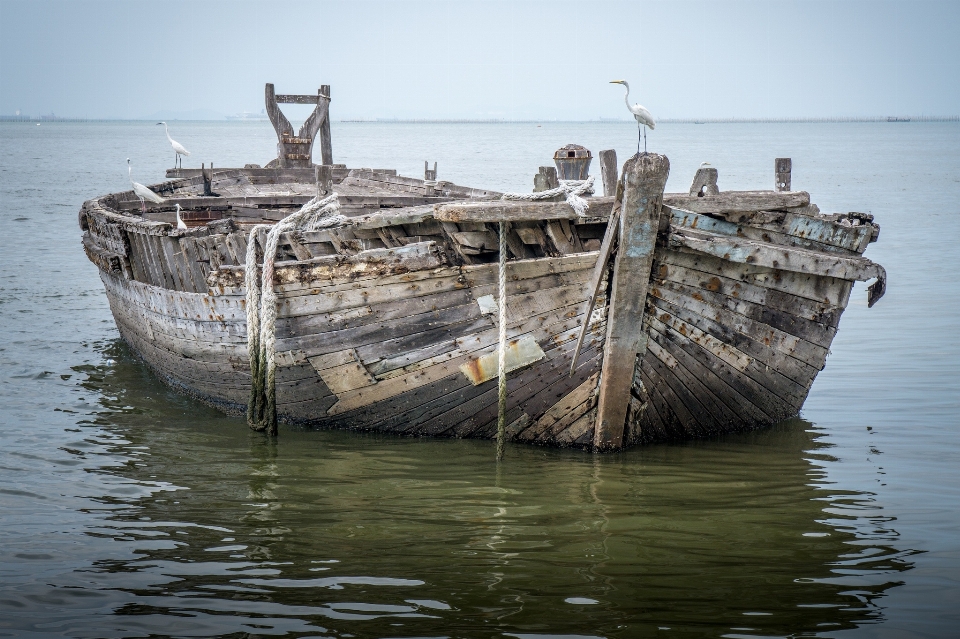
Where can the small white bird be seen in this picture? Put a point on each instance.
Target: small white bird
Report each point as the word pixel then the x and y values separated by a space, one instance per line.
pixel 644 118
pixel 180 223
pixel 141 191
pixel 178 148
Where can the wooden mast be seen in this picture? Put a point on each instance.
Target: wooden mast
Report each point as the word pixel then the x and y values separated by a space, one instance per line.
pixel 645 176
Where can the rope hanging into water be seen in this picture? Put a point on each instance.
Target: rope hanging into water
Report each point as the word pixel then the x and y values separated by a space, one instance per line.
pixel 570 189
pixel 502 354
pixel 262 304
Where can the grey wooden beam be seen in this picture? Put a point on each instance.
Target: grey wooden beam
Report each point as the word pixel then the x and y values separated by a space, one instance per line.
pixel 645 176
pixel 608 171
pixel 783 168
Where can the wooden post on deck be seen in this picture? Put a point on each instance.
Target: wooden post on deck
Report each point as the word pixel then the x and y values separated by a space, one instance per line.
pixel 783 168
pixel 324 179
pixel 645 176
pixel 207 178
pixel 545 179
pixel 608 171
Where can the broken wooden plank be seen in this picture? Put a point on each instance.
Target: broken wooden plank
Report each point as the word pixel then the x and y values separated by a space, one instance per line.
pixel 783 258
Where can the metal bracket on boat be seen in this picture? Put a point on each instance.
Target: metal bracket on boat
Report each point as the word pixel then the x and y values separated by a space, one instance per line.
pixel 296 151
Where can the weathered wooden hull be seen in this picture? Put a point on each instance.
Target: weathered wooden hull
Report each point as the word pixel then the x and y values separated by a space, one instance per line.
pixel 387 327
pixel 351 354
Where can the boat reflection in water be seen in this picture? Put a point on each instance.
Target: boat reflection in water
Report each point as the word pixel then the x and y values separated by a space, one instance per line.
pixel 326 531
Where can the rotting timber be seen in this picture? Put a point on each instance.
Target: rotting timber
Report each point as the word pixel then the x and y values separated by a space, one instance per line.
pixel 702 313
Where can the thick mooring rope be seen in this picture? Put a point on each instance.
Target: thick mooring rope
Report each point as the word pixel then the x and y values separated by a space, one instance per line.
pixel 502 354
pixel 262 304
pixel 571 189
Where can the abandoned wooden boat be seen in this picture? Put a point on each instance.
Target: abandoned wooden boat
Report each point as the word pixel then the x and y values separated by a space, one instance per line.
pixel 703 312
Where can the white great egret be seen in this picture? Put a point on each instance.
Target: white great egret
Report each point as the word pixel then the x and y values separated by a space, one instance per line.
pixel 178 148
pixel 141 191
pixel 644 118
pixel 180 223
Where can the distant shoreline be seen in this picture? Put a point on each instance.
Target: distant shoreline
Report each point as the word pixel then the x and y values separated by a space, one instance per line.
pixel 891 118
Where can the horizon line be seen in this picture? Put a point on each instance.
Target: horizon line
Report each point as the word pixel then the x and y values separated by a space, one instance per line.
pixel 689 120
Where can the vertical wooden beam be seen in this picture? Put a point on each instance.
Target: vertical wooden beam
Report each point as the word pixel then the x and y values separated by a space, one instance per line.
pixel 546 179
pixel 207 178
pixel 608 171
pixel 783 167
pixel 326 142
pixel 645 176
pixel 324 177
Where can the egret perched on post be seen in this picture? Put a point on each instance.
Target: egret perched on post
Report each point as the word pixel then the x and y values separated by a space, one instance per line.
pixel 180 223
pixel 644 118
pixel 141 191
pixel 177 147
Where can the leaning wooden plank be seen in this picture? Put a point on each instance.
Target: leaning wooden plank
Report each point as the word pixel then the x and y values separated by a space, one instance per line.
pixel 600 268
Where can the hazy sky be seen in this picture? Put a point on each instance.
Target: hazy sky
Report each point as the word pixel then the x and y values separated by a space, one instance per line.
pixel 483 59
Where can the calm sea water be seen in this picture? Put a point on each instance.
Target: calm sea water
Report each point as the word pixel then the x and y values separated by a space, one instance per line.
pixel 128 510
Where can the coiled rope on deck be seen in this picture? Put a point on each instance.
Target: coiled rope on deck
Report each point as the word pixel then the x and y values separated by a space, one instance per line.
pixel 570 189
pixel 262 304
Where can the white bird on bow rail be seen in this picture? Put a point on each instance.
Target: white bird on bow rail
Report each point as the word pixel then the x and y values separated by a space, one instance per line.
pixel 142 192
pixel 644 118
pixel 178 148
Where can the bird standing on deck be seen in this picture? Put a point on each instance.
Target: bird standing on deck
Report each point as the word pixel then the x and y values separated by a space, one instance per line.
pixel 142 192
pixel 178 148
pixel 180 223
pixel 644 118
